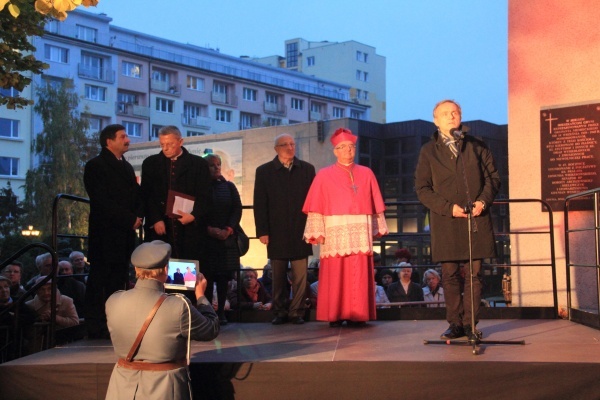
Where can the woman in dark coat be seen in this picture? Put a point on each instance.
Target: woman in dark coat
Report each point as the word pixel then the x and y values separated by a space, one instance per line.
pixel 222 254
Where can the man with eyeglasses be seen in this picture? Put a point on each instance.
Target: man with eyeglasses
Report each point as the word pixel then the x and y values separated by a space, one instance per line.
pixel 13 272
pixel 175 172
pixel 279 191
pixel 345 212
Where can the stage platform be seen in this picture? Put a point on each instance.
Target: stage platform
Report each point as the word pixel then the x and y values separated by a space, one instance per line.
pixel 383 360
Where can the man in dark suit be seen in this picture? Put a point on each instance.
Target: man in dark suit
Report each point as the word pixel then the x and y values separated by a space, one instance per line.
pixel 279 192
pixel 175 171
pixel 115 214
pixel 456 173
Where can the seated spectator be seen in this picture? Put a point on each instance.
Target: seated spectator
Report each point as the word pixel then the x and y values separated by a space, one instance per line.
pixel 312 275
pixel 254 295
pixel 66 314
pixel 404 256
pixel 404 290
pixel 267 278
pixel 380 296
pixel 69 286
pixel 387 278
pixel 314 291
pixel 7 319
pixel 43 262
pixel 13 272
pixel 432 289
pixel 80 267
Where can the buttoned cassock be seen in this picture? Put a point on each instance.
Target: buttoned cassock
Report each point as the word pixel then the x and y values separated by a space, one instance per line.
pixel 164 341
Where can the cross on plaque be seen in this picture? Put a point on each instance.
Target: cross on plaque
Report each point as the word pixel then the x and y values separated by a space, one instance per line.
pixel 549 120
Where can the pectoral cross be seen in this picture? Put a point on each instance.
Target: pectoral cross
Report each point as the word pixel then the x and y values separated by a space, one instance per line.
pixel 354 187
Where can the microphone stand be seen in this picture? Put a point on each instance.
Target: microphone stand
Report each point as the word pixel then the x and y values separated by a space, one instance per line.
pixel 475 340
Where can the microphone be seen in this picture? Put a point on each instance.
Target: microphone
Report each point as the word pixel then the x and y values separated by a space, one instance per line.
pixel 460 132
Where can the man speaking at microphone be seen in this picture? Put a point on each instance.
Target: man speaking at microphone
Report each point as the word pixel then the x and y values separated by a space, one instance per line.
pixel 455 175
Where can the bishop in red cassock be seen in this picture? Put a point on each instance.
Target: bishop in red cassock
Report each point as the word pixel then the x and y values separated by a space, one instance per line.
pixel 345 212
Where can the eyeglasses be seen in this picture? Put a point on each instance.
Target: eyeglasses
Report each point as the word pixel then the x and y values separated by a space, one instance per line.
pixel 286 144
pixel 345 146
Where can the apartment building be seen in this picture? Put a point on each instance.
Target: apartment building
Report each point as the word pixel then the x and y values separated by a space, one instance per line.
pixel 145 82
pixel 352 63
pixel 15 143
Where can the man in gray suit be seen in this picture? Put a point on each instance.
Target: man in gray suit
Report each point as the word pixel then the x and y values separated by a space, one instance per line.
pixel 157 368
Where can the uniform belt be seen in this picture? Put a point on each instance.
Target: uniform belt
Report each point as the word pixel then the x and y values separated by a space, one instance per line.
pixel 146 366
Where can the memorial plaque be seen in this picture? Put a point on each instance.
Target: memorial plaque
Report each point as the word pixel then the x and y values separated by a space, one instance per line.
pixel 570 153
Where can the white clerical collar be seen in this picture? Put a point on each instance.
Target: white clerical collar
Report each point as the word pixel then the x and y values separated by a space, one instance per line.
pixel 177 156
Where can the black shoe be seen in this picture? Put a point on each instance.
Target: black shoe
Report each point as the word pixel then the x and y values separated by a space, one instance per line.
pixel 453 332
pixel 279 320
pixel 472 335
pixel 297 320
pixel 335 324
pixel 357 324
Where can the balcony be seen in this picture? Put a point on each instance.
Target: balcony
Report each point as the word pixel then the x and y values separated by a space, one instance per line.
pixel 99 74
pixel 166 87
pixel 196 122
pixel 275 108
pixel 132 110
pixel 318 116
pixel 224 99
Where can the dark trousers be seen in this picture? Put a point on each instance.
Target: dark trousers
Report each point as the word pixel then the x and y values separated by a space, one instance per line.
pixel 458 306
pixel 281 293
pixel 103 280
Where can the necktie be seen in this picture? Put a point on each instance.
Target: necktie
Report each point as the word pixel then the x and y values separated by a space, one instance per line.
pixel 451 143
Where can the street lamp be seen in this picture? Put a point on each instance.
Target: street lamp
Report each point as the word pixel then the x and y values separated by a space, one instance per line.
pixel 30 231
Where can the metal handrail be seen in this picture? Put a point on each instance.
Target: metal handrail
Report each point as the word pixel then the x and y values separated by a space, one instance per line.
pixel 596 229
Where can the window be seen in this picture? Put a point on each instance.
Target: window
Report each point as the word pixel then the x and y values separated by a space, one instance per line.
pixel 297 104
pixel 315 107
pixel 194 133
pixel 273 121
pixel 219 88
pixel 92 66
pixel 291 54
pixel 51 26
pixel 362 57
pixel 246 121
pixel 12 92
pixel 310 61
pixel 55 53
pixel 95 125
pixel 249 94
pixel 338 112
pixel 164 105
pixel 356 114
pixel 9 128
pixel 161 76
pixel 223 115
pixel 362 75
pixel 127 98
pixel 9 166
pixel 154 132
pixel 86 33
pixel 96 93
pixel 131 69
pixel 133 129
pixel 271 98
pixel 195 83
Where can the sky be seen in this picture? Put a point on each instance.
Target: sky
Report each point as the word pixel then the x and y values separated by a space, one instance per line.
pixel 434 49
